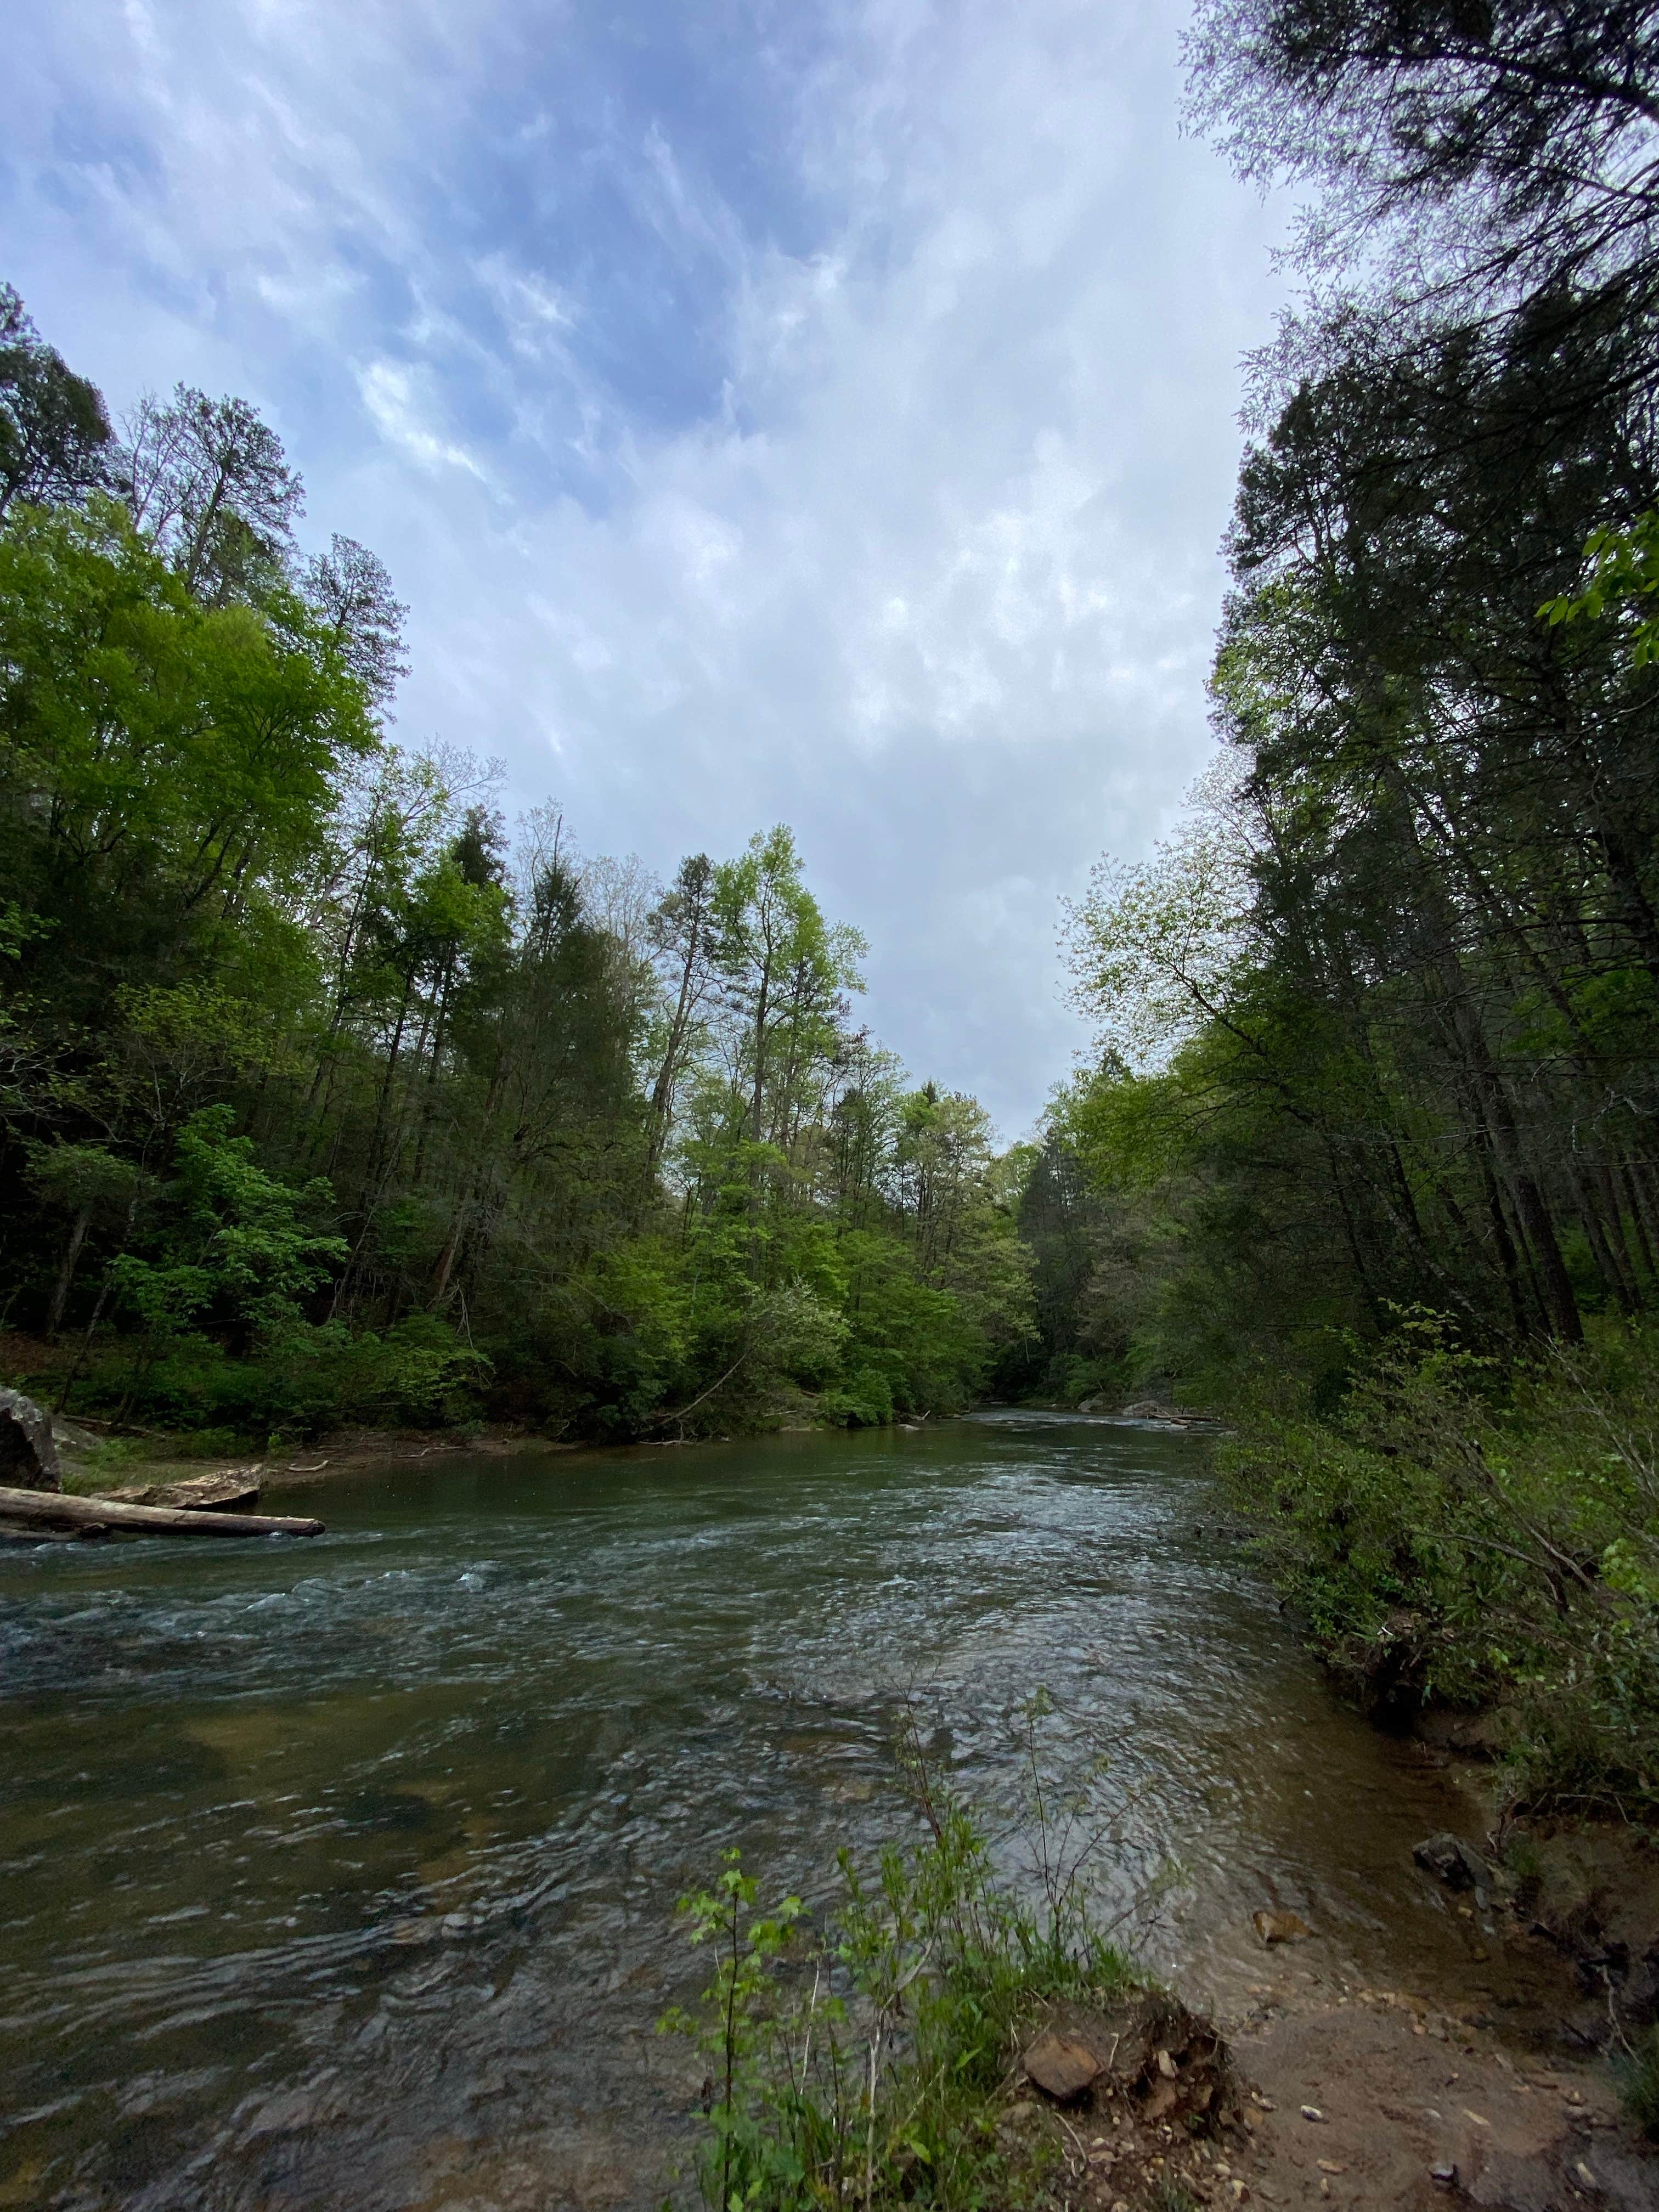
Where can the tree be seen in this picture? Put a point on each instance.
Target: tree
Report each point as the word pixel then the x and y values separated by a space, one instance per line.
pixel 350 593
pixel 1509 144
pixel 54 434
pixel 211 486
pixel 680 931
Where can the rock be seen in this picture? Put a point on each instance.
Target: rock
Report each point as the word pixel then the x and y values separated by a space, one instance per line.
pixel 1279 1927
pixel 1184 2069
pixel 1064 2070
pixel 231 1490
pixel 1452 1860
pixel 1640 1994
pixel 28 1457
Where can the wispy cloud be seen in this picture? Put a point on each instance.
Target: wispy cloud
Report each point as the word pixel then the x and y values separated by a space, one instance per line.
pixel 824 415
pixel 399 405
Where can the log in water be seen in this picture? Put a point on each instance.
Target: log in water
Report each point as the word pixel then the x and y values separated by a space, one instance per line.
pixel 51 1508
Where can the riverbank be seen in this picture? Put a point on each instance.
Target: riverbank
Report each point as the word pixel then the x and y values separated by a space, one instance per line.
pixel 100 1456
pixel 1005 2052
pixel 1356 2098
pixel 94 1458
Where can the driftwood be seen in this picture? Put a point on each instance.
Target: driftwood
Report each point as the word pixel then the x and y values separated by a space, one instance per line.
pixel 52 1509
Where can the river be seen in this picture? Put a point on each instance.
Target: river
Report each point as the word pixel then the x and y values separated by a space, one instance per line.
pixel 342 1873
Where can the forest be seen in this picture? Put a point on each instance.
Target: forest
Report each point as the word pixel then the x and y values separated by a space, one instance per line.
pixel 329 1098
pixel 1368 1152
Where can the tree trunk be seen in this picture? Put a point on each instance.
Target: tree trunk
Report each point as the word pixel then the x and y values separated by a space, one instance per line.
pixel 60 1289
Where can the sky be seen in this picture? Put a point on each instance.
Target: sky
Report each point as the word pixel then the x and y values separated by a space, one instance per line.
pixel 813 413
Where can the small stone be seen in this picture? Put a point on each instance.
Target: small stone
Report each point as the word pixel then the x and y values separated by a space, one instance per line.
pixel 1452 1860
pixel 1445 2175
pixel 1312 2112
pixel 1279 1927
pixel 1064 2070
pixel 1584 2175
pixel 1330 2166
pixel 1166 2066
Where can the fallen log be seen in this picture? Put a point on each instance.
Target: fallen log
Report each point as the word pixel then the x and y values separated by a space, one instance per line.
pixel 43 1509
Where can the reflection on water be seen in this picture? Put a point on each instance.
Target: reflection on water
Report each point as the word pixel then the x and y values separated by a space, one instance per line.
pixel 344 1872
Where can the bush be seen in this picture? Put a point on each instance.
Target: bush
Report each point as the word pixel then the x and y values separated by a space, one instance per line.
pixel 1463 1532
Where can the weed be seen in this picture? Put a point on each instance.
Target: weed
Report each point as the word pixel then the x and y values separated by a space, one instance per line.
pixel 864 2065
pixel 1640 2087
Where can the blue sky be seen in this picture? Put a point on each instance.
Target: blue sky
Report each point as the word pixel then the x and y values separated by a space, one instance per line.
pixel 811 413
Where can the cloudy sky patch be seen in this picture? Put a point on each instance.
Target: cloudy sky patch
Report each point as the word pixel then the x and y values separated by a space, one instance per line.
pixel 810 413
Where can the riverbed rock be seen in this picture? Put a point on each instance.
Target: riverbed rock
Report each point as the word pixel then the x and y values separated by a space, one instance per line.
pixel 1452 1860
pixel 229 1490
pixel 1063 2069
pixel 28 1457
pixel 1279 1927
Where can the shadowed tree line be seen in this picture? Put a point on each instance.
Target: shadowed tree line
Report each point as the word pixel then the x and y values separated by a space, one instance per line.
pixel 327 1098
pixel 1381 1023
pixel 1371 1143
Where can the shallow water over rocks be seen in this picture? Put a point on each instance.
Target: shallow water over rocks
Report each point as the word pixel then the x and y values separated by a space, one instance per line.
pixel 342 1873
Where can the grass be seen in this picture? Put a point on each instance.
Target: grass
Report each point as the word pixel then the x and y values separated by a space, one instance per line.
pixel 1639 2088
pixel 867 2063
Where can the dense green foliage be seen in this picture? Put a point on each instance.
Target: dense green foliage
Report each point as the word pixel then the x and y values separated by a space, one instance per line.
pixel 327 1100
pixel 1370 1144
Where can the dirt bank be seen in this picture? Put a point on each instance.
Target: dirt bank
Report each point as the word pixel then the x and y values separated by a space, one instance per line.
pixel 1319 2096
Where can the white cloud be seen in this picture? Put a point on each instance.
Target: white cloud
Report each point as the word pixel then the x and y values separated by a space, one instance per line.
pixel 398 398
pixel 933 575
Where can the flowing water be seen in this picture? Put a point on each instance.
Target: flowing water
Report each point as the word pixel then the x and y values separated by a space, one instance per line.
pixel 342 1873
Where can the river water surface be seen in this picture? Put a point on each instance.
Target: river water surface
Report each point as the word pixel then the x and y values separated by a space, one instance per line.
pixel 342 1873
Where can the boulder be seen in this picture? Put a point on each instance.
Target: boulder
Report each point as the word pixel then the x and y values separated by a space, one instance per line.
pixel 231 1490
pixel 1452 1860
pixel 1065 2069
pixel 28 1457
